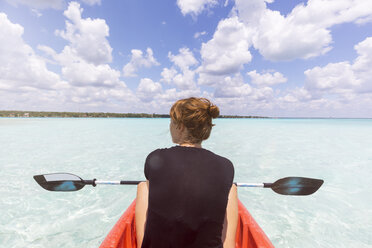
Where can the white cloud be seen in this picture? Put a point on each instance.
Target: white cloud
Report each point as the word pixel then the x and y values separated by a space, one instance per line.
pixel 154 98
pixel 82 74
pixel 362 66
pixel 20 66
pixel 36 12
pixel 264 94
pixel 228 50
pixel 88 82
pixel 364 20
pixel 168 74
pixel 297 95
pixel 327 13
pixel 148 89
pixel 300 102
pixel 92 81
pixel 182 75
pixel 92 2
pixel 39 4
pixel 279 38
pixel 210 80
pixel 184 60
pixel 303 33
pixel 267 79
pixel 235 88
pixel 185 79
pixel 46 4
pixel 148 86
pixel 344 78
pixel 87 37
pixel 337 89
pixel 169 96
pixel 32 99
pixel 233 91
pixel 84 59
pixel 331 77
pixel 195 7
pixel 139 60
pixel 198 34
pixel 100 96
pixel 250 12
pixel 260 102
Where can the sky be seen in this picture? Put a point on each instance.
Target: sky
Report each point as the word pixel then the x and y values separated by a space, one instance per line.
pixel 258 57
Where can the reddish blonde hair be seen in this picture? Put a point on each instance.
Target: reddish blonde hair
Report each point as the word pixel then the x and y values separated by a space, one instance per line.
pixel 196 115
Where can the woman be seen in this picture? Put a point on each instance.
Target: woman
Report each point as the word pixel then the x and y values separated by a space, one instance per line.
pixel 189 199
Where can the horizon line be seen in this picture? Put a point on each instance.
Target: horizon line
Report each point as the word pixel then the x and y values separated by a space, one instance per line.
pixel 165 115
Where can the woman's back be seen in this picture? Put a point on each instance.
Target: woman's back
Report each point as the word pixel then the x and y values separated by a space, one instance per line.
pixel 188 196
pixel 189 189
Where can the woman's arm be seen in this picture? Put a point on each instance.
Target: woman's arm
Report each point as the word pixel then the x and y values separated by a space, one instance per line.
pixel 141 210
pixel 231 219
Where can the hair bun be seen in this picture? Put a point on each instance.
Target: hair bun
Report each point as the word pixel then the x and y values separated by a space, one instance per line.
pixel 214 111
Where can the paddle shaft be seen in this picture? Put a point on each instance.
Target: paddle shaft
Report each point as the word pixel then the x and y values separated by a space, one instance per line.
pixel 254 185
pixel 96 182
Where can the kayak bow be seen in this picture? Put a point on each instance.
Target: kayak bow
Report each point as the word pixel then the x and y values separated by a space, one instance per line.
pixel 248 235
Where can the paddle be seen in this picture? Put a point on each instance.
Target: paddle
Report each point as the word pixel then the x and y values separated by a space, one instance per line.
pixel 290 185
pixel 285 186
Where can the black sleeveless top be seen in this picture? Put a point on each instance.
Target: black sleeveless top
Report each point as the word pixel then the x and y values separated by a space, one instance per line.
pixel 188 195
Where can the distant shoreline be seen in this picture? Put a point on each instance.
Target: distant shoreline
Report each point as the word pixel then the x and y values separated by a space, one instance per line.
pixel 45 114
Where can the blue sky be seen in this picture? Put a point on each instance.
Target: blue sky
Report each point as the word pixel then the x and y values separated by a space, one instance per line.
pixel 272 58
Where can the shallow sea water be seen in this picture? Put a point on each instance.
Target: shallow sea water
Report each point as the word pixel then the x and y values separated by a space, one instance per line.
pixel 262 150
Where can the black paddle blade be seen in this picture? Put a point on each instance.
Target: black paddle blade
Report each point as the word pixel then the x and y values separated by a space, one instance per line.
pixel 60 182
pixel 296 186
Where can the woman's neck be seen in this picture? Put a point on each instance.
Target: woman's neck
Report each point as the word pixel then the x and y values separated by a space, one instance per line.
pixel 197 145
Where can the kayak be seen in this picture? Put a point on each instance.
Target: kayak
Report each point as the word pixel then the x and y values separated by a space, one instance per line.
pixel 248 235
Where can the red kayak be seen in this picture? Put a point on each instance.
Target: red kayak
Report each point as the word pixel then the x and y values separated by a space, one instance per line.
pixel 249 234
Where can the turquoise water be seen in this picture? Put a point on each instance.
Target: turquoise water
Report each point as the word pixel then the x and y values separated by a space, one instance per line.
pixel 262 150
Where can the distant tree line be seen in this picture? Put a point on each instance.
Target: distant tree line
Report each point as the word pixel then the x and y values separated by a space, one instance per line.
pixel 241 116
pixel 97 115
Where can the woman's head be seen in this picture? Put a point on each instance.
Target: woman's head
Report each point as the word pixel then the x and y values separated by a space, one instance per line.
pixel 195 116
